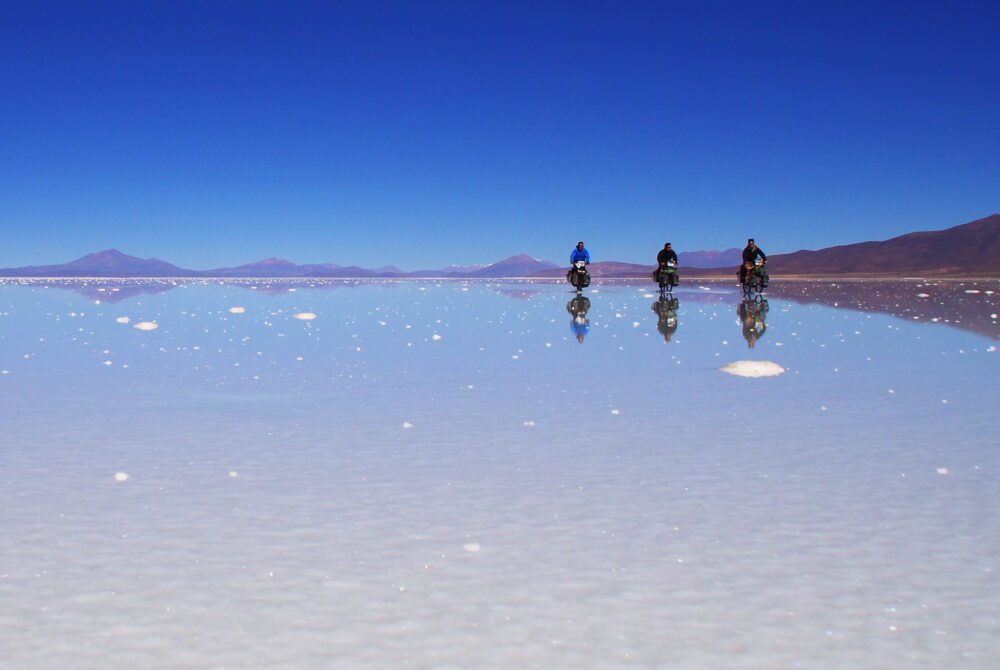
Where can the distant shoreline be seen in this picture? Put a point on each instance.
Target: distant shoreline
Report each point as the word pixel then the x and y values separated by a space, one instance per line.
pixel 720 276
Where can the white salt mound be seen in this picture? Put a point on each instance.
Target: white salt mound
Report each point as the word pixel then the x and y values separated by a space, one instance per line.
pixel 122 319
pixel 304 316
pixel 146 325
pixel 753 369
pixel 121 476
pixel 237 310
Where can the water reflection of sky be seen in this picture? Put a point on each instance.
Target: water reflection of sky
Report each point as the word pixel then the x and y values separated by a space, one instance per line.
pixel 442 473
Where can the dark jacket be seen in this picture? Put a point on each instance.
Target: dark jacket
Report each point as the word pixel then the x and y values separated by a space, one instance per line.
pixel 666 255
pixel 749 254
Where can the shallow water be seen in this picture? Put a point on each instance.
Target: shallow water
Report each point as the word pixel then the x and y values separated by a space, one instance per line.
pixel 453 474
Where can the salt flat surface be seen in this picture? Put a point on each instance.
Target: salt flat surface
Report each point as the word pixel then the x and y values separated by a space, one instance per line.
pixel 493 475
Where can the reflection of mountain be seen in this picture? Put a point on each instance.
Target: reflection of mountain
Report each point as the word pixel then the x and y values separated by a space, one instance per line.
pixel 120 293
pixel 965 305
pixel 109 291
pixel 517 294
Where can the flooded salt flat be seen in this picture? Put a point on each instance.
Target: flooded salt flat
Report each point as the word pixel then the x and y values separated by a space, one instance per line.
pixel 488 474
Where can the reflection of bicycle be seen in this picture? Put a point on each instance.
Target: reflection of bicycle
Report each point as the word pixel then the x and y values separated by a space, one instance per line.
pixel 666 276
pixel 666 316
pixel 754 278
pixel 579 324
pixel 752 313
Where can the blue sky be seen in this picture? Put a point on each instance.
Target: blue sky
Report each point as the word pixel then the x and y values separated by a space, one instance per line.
pixel 424 133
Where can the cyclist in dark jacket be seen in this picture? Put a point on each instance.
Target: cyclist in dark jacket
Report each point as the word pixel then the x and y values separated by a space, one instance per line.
pixel 750 253
pixel 666 254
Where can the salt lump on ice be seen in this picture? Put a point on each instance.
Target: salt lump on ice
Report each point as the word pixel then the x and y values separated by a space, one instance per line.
pixel 146 325
pixel 304 316
pixel 753 369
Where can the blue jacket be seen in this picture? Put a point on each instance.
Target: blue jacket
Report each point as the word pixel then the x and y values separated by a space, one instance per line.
pixel 579 255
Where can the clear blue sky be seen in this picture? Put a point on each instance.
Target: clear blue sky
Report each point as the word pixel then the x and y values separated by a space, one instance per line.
pixel 425 133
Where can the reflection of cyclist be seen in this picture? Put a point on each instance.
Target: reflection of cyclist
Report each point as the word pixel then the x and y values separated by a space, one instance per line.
pixel 579 324
pixel 666 316
pixel 751 313
pixel 750 253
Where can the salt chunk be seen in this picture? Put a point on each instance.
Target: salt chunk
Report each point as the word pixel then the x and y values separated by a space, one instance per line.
pixel 407 424
pixel 942 471
pixel 753 369
pixel 304 316
pixel 145 325
pixel 471 547
pixel 121 476
pixel 435 336
pixel 122 319
pixel 237 310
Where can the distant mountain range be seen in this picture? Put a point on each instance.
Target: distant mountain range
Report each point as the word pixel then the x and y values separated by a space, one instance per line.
pixel 113 263
pixel 971 248
pixel 968 249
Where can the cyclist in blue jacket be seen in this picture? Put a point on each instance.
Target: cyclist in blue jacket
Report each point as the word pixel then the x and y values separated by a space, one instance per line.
pixel 578 254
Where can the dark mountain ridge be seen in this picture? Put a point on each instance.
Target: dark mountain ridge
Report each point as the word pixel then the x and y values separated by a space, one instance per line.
pixel 970 249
